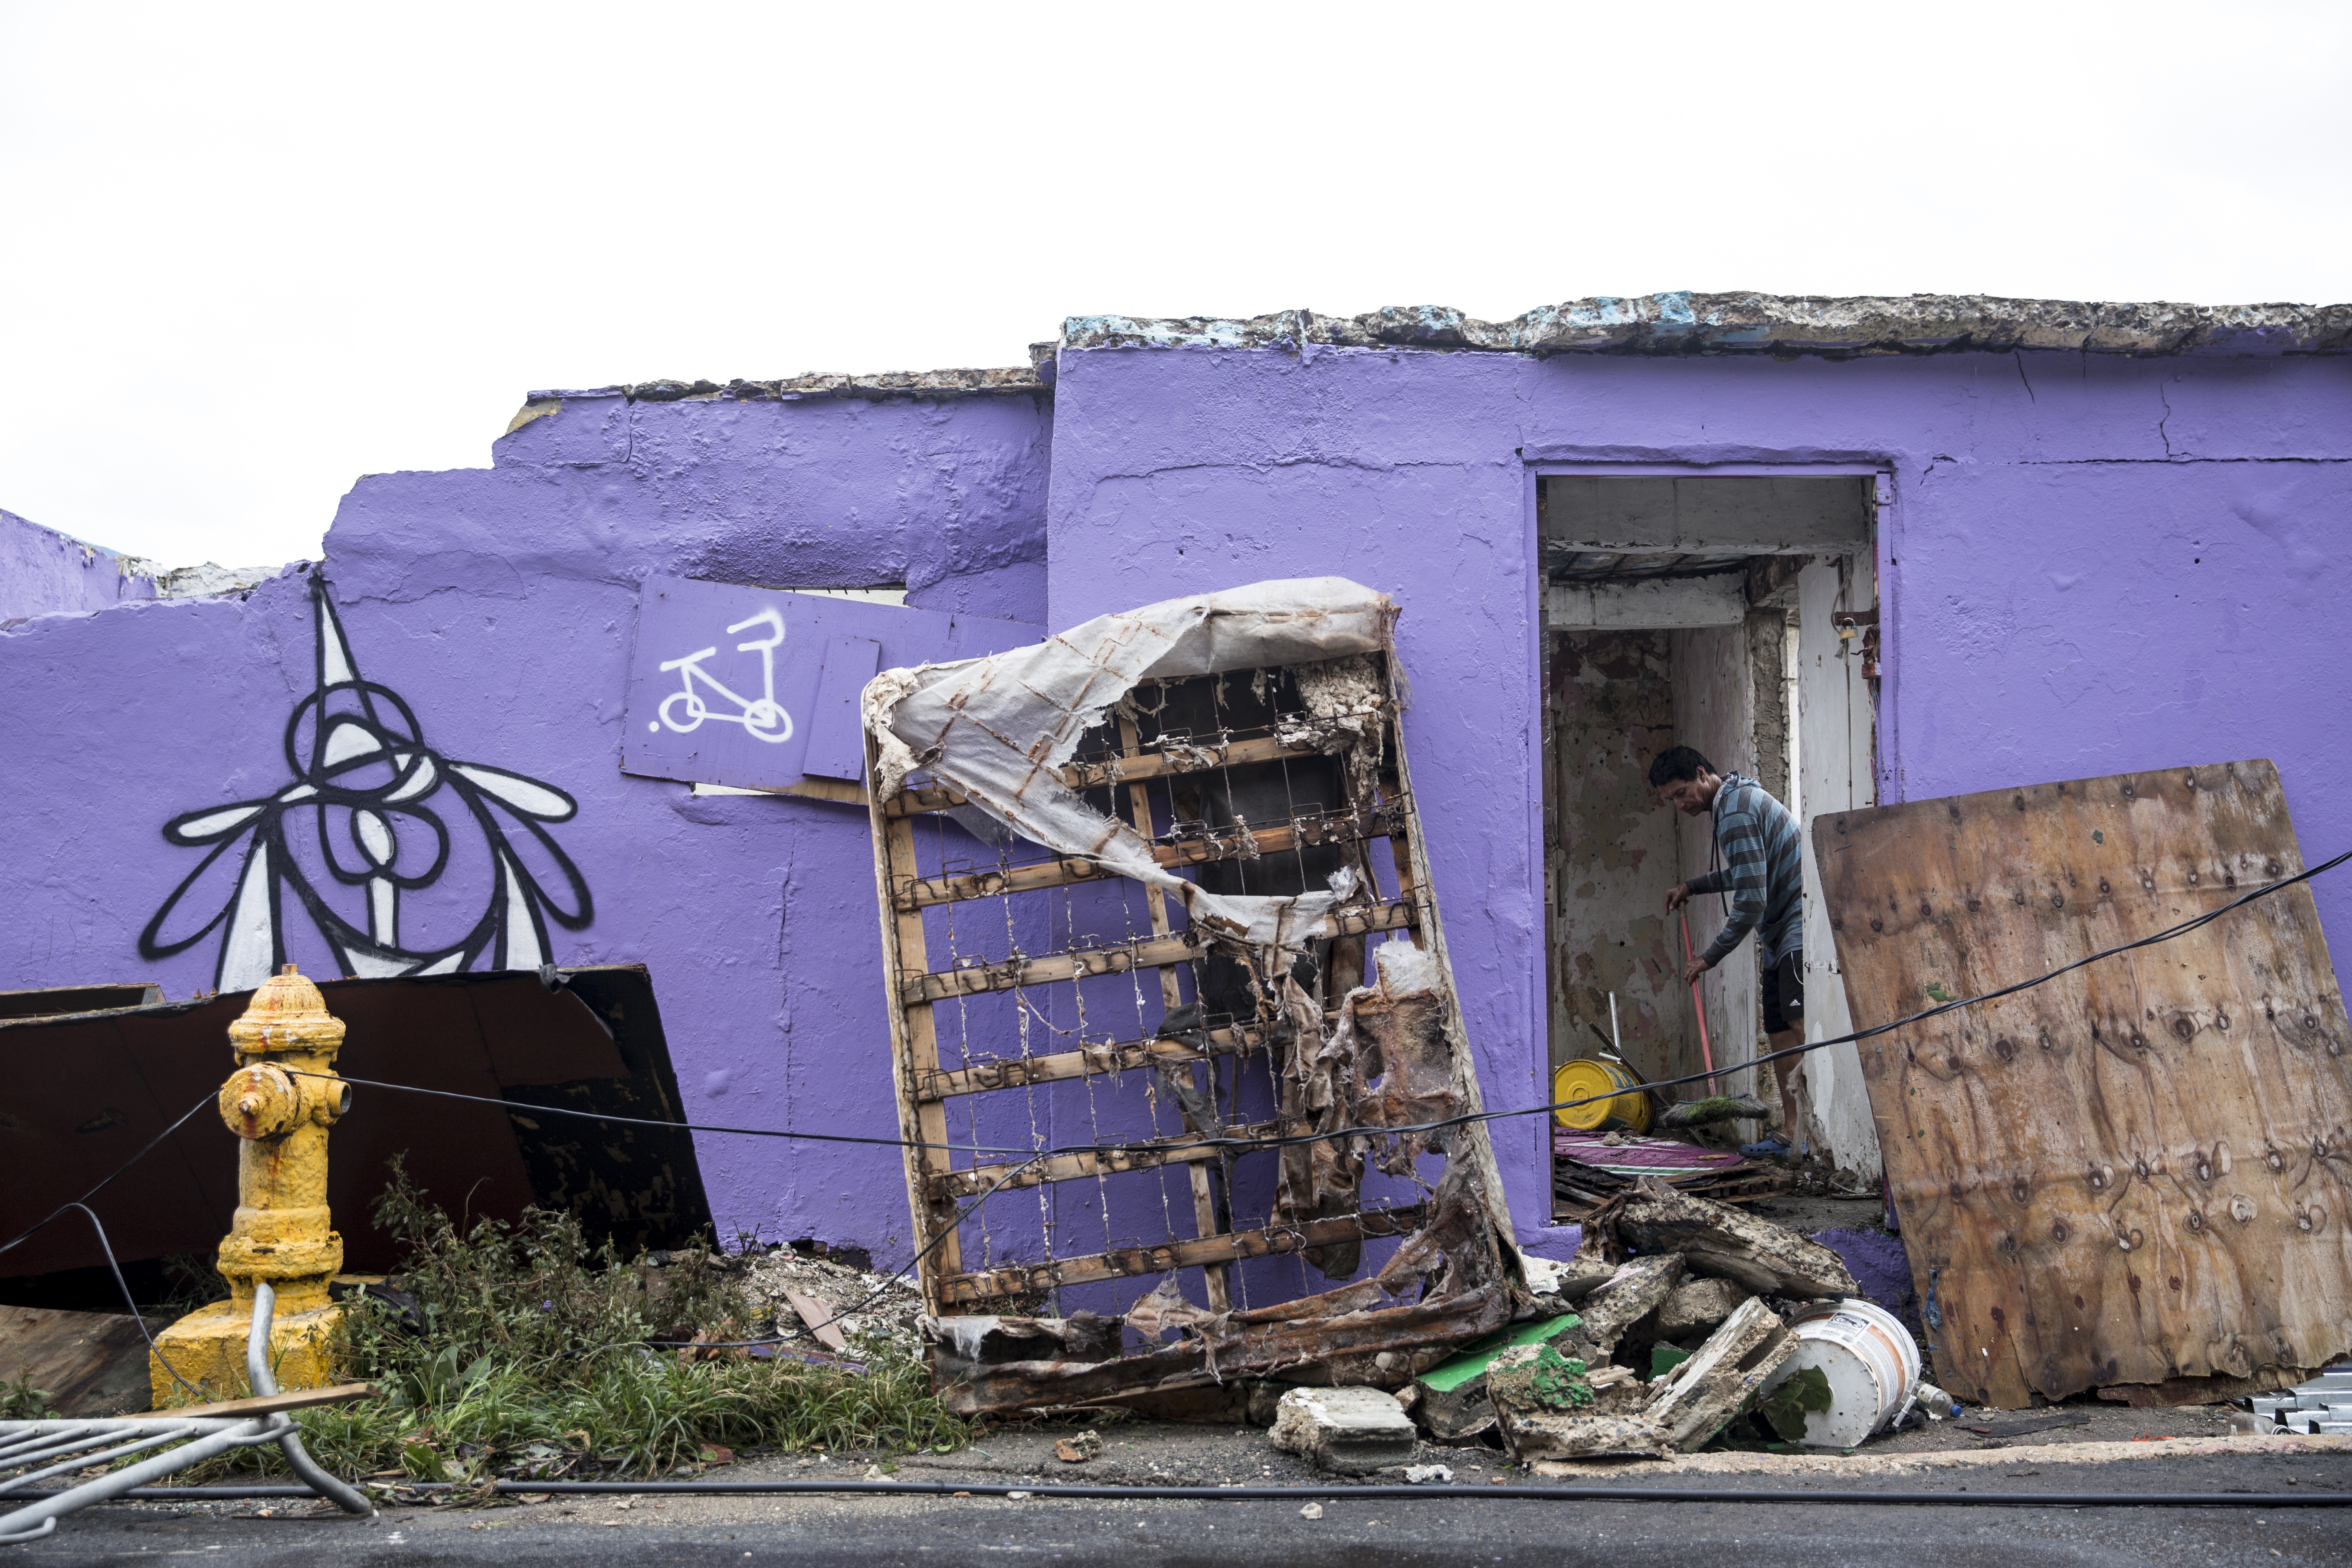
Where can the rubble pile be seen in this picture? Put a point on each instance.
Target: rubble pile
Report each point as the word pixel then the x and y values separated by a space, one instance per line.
pixel 887 1306
pixel 1670 1323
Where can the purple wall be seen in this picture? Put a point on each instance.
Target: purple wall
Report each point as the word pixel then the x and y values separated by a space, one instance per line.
pixel 500 603
pixel 44 573
pixel 2092 565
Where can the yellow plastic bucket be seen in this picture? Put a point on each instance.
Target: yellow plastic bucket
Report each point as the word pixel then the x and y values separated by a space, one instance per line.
pixel 1582 1079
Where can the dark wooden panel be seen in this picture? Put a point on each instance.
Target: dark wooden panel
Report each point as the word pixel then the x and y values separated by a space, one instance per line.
pixel 80 1096
pixel 2139 1171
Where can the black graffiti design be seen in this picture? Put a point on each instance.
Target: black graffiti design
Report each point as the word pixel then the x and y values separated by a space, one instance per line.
pixel 363 784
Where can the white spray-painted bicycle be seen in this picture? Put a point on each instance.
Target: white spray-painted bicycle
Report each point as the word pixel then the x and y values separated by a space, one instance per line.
pixel 763 716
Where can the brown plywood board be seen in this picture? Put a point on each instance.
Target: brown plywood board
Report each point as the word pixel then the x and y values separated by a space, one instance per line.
pixel 89 1364
pixel 2135 1173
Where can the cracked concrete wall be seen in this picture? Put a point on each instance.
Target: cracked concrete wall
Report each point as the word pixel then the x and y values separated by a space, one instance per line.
pixel 500 603
pixel 2092 564
pixel 44 573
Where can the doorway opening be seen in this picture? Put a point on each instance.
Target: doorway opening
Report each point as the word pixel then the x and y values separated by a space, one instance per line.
pixel 1736 616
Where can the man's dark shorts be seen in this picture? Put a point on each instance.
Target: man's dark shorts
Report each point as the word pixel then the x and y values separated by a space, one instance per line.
pixel 1784 995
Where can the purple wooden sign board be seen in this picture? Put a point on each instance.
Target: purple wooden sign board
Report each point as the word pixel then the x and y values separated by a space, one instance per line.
pixel 759 688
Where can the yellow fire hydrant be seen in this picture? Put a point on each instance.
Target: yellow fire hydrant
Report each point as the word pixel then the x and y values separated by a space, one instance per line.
pixel 281 1100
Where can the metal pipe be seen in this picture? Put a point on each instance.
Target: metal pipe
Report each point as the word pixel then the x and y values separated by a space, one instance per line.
pixel 48 1506
pixel 257 1371
pixel 81 1458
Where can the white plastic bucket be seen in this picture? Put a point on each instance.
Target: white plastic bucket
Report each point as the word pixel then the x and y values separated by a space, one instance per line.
pixel 1872 1363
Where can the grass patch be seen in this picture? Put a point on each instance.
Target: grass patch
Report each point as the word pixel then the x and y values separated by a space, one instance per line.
pixel 524 1355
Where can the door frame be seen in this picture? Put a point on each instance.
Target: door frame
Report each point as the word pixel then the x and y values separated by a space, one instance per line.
pixel 1885 765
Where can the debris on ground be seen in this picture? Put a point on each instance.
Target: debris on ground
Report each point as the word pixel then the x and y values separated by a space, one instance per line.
pixel 797 1288
pixel 1589 1168
pixel 2322 1404
pixel 1348 1431
pixel 1078 1449
pixel 1689 1315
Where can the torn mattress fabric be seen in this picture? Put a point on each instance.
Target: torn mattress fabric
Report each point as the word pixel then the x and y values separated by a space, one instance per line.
pixel 998 729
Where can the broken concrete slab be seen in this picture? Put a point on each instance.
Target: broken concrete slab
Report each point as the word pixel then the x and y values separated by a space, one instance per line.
pixel 1723 1378
pixel 1530 1378
pixel 1348 1431
pixel 1717 1239
pixel 1545 1435
pixel 1584 1273
pixel 1455 1416
pixel 1638 1288
pixel 1696 1305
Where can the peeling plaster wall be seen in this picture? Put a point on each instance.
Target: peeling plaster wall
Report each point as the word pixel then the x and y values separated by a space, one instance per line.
pixel 1714 712
pixel 500 604
pixel 2084 570
pixel 44 573
pixel 1612 712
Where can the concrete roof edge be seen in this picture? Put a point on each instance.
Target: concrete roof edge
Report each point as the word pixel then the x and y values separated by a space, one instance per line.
pixel 1779 325
pixel 992 383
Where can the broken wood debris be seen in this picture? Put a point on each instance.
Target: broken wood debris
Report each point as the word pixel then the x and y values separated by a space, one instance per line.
pixel 1236 758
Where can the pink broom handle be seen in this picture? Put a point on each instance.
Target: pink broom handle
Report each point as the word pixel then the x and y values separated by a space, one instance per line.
pixel 1706 1051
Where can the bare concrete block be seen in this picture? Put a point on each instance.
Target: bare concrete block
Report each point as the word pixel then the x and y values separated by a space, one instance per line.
pixel 1348 1431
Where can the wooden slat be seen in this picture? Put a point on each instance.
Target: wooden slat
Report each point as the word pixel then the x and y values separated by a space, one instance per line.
pixel 2131 1174
pixel 1331 829
pixel 1199 759
pixel 1171 996
pixel 915 1053
pixel 269 1403
pixel 965 1289
pixel 1014 1072
pixel 1148 1155
pixel 981 979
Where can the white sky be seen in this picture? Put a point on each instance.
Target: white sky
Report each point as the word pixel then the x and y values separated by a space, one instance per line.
pixel 248 253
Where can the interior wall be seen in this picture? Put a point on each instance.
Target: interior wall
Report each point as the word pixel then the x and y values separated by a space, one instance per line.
pixel 1612 851
pixel 1834 754
pixel 1767 669
pixel 1714 712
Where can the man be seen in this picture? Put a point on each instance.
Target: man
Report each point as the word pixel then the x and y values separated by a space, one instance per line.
pixel 1760 862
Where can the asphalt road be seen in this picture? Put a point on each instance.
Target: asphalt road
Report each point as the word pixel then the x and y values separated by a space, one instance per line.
pixel 750 1532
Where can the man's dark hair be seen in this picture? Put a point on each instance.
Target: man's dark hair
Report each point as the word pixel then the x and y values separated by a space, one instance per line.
pixel 1676 763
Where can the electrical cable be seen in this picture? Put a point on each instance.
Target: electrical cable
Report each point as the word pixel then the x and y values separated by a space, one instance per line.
pixel 1034 1156
pixel 1245 1144
pixel 127 1300
pixel 1434 1493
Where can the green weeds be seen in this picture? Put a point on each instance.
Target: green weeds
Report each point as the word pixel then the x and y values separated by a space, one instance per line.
pixel 20 1401
pixel 524 1355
